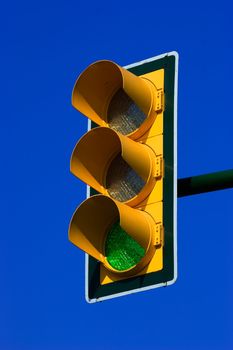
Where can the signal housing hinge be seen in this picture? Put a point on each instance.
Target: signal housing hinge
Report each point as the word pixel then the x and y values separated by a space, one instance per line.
pixel 159 233
pixel 158 166
pixel 159 105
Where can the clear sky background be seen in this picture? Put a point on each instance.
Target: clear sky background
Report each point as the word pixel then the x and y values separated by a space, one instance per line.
pixel 44 47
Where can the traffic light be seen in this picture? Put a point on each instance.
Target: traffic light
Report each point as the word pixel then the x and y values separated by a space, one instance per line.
pixel 127 226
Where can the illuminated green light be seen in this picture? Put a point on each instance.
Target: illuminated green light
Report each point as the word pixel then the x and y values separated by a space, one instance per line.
pixel 122 251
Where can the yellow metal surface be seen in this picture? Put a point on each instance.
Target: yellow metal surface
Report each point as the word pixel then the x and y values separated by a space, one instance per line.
pixel 157 78
pixel 90 223
pixel 159 100
pixel 94 153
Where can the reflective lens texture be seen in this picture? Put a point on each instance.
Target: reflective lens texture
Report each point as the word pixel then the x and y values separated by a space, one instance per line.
pixel 122 182
pixel 121 250
pixel 124 115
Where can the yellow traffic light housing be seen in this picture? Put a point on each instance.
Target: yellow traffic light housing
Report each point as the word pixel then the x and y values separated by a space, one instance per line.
pixel 122 228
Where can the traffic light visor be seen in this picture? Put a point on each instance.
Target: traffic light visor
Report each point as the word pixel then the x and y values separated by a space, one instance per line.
pixel 108 230
pixel 114 165
pixel 111 96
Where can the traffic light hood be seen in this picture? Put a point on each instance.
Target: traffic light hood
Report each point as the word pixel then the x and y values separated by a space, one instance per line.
pixel 114 165
pixel 112 96
pixel 94 218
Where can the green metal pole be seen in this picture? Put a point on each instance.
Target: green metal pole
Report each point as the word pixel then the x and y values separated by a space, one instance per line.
pixel 205 183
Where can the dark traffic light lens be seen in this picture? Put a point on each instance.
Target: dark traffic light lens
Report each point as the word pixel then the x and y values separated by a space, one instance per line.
pixel 122 182
pixel 124 115
pixel 121 250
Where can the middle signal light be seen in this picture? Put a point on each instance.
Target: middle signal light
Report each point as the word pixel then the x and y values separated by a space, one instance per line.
pixel 115 165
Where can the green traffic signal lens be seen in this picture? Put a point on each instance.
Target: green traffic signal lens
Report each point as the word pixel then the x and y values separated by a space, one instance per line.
pixel 121 250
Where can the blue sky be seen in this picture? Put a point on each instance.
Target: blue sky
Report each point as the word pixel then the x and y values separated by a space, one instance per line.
pixel 45 45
